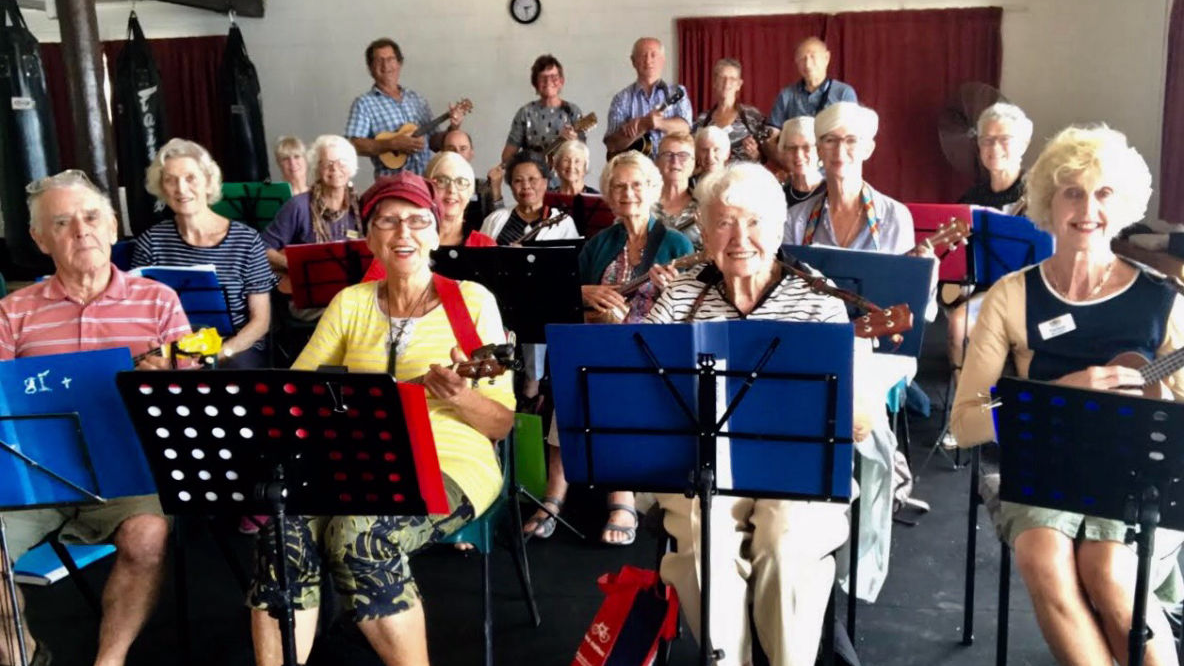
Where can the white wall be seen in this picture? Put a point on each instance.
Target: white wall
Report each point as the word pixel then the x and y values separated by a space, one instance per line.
pixel 1064 60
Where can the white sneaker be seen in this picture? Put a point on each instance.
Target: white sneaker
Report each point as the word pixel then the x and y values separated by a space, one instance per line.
pixel 948 441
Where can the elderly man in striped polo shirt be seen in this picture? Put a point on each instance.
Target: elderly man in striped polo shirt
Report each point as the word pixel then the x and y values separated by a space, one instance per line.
pixel 89 304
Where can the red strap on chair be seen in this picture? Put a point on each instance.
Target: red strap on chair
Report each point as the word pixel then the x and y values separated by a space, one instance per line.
pixel 458 315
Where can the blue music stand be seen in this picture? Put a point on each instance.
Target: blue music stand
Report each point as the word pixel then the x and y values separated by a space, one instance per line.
pixel 1002 244
pixel 884 279
pixel 1096 453
pixel 715 407
pixel 202 296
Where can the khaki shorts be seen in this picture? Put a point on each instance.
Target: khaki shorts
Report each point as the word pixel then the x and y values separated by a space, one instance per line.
pixel 93 523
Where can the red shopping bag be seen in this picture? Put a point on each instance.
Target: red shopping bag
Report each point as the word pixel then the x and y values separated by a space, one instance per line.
pixel 637 611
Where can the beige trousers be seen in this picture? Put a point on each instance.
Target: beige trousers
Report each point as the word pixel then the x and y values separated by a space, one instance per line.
pixel 776 554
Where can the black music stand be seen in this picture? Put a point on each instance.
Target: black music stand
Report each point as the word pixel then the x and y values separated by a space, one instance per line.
pixel 319 270
pixel 35 497
pixel 1000 244
pixel 1096 453
pixel 534 286
pixel 276 442
pixel 682 441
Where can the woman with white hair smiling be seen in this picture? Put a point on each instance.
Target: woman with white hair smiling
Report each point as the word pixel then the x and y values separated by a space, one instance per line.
pixel 849 213
pixel 779 552
pixel 797 152
pixel 185 178
pixel 1002 133
pixel 327 212
pixel 1061 321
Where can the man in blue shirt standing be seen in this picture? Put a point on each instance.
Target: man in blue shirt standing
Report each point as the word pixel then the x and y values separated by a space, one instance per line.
pixel 386 107
pixel 814 92
pixel 633 112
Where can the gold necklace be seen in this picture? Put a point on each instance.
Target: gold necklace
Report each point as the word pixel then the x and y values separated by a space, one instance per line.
pixel 1094 292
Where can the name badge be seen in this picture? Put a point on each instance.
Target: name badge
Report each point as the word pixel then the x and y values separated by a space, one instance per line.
pixel 1056 326
pixel 352 234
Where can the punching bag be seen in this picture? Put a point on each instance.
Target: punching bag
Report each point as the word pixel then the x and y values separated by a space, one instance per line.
pixel 140 127
pixel 245 155
pixel 30 145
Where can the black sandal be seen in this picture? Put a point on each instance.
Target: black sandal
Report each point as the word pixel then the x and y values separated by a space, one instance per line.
pixel 629 532
pixel 543 527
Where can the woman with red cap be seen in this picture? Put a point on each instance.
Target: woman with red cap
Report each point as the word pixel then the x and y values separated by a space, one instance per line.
pixel 414 325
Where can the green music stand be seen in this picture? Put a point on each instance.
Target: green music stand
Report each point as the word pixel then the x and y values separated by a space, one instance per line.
pixel 254 204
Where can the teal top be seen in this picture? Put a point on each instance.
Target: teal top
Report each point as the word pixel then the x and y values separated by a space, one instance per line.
pixel 663 246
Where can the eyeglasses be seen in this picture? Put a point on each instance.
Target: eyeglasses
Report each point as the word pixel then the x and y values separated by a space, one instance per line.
pixel 830 141
pixel 1003 140
pixel 547 78
pixel 412 222
pixel 63 179
pixel 335 165
pixel 459 183
pixel 671 156
pixel 532 180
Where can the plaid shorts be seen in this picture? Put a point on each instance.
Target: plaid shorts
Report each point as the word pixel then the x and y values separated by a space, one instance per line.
pixel 368 558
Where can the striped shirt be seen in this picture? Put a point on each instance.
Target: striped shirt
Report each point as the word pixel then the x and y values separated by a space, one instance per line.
pixel 353 332
pixel 790 300
pixel 132 312
pixel 240 261
pixel 374 112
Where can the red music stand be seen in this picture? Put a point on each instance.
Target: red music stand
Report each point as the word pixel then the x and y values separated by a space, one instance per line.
pixel 590 212
pixel 319 270
pixel 927 219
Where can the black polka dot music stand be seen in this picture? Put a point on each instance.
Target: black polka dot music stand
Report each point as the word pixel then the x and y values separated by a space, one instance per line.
pixel 1095 453
pixel 285 442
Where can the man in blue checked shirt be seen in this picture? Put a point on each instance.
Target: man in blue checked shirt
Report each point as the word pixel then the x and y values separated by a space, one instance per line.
pixel 633 113
pixel 386 107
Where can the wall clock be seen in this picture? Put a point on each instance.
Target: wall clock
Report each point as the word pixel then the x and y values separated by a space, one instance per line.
pixel 526 11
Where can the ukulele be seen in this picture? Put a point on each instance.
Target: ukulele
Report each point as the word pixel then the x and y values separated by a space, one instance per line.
pixel 893 321
pixel 582 125
pixel 396 160
pixel 949 234
pixel 537 228
pixel 629 288
pixel 644 144
pixel 204 344
pixel 488 361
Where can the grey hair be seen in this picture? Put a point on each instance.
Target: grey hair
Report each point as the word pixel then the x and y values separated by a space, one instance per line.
pixel 447 157
pixel 636 160
pixel 60 181
pixel 743 185
pixel 852 115
pixel 726 62
pixel 714 134
pixel 573 146
pixel 349 154
pixel 1009 115
pixel 178 148
pixel 799 126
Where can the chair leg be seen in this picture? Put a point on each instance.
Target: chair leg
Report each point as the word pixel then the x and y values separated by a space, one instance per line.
pixel 522 564
pixel 829 622
pixel 1004 604
pixel 182 583
pixel 88 592
pixel 487 604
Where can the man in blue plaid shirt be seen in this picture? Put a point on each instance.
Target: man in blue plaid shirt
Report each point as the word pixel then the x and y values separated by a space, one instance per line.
pixel 386 107
pixel 633 111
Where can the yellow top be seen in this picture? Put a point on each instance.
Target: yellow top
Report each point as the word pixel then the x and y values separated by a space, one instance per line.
pixel 354 332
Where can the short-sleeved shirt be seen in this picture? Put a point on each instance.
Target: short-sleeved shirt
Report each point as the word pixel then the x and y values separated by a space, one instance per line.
pixel 353 332
pixel 535 127
pixel 375 111
pixel 746 117
pixel 895 235
pixel 633 102
pixel 240 261
pixel 132 312
pixel 794 100
pixel 293 225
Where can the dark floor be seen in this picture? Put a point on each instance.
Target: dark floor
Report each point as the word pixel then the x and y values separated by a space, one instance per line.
pixel 917 620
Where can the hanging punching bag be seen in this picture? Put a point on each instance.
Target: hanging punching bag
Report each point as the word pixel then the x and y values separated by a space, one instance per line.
pixel 245 157
pixel 30 145
pixel 140 128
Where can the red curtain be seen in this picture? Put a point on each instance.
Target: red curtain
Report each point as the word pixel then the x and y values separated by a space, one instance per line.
pixel 764 45
pixel 903 64
pixel 189 69
pixel 1171 161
